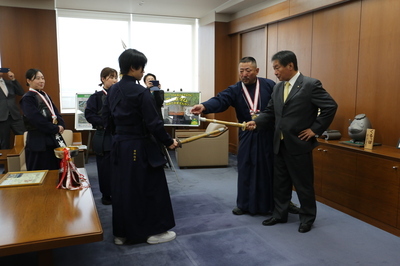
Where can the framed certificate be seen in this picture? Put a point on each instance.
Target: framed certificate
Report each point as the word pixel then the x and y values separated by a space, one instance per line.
pixel 23 178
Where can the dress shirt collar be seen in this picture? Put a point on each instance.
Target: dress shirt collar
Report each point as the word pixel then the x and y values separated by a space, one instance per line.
pixel 293 80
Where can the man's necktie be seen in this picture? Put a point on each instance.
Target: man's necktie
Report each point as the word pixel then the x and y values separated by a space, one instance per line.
pixel 3 87
pixel 286 91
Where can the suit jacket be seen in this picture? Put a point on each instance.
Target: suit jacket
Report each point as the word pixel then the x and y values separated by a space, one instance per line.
pixel 8 104
pixel 299 112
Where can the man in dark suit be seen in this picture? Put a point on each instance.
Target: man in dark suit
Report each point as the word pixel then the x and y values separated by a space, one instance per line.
pixel 10 115
pixel 305 112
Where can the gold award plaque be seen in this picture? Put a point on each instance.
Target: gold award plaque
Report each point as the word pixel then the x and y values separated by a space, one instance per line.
pixel 23 178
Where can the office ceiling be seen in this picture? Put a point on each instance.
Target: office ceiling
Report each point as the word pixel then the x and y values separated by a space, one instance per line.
pixel 175 8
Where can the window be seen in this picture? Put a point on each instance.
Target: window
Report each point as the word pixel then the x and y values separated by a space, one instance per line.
pixel 90 41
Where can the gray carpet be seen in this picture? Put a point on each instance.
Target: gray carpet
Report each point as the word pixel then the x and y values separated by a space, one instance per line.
pixel 209 234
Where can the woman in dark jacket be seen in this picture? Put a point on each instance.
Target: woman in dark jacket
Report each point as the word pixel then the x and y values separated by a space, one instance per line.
pixel 142 208
pixel 102 137
pixel 43 123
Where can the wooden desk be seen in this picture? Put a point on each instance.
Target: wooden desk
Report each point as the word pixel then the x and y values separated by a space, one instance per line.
pixel 42 217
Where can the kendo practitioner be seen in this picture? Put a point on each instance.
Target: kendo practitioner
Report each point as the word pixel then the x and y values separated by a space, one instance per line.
pixel 255 155
pixel 43 123
pixel 101 142
pixel 142 209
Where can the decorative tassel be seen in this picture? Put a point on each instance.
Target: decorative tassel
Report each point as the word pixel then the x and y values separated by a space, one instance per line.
pixel 70 178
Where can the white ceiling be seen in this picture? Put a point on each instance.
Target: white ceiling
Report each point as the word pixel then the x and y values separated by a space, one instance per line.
pixel 174 8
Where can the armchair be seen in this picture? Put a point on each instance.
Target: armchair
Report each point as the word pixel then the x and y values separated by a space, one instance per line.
pixel 208 151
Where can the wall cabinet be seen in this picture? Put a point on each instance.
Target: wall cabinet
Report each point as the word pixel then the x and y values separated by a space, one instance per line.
pixel 337 175
pixel 360 182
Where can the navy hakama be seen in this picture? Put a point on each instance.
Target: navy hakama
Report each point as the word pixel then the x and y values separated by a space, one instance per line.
pixel 255 153
pixel 140 197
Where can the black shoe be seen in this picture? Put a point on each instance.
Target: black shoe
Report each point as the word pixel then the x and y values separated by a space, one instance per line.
pixel 237 211
pixel 106 200
pixel 304 228
pixel 272 221
pixel 293 208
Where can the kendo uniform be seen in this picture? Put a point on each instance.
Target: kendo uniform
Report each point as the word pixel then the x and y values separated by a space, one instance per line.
pixel 101 142
pixel 140 197
pixel 255 154
pixel 41 139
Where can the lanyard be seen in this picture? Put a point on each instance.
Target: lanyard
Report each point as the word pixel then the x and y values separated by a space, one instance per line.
pixel 105 91
pixel 48 103
pixel 253 104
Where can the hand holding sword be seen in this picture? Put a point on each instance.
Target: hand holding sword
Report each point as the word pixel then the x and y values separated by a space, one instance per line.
pixel 251 125
pixel 174 144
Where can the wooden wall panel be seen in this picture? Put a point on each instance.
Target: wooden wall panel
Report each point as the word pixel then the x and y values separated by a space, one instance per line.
pixel 335 49
pixel 272 48
pixel 235 41
pixel 226 68
pixel 378 80
pixel 253 44
pixel 296 35
pixel 236 47
pixel 223 59
pixel 260 18
pixel 29 40
pixel 280 11
pixel 301 6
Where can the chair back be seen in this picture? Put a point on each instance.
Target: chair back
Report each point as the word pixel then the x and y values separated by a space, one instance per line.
pixel 213 126
pixel 68 136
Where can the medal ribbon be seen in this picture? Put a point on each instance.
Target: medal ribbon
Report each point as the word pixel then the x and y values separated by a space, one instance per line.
pixel 252 104
pixel 47 102
pixel 64 166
